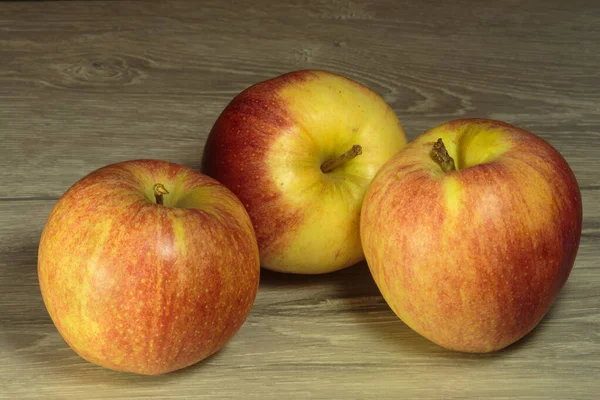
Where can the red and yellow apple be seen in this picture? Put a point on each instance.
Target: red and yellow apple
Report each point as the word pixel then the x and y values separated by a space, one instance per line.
pixel 147 266
pixel 470 238
pixel 299 150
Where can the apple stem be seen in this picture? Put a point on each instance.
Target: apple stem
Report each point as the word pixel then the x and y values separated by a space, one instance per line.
pixel 332 164
pixel 441 156
pixel 159 190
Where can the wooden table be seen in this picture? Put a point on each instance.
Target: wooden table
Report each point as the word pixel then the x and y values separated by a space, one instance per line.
pixel 85 84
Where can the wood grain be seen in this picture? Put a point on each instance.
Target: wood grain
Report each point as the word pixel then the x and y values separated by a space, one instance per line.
pixel 90 85
pixel 84 84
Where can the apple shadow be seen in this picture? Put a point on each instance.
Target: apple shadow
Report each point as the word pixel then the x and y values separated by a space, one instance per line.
pixel 29 337
pixel 27 320
pixel 359 300
pixel 353 281
pixel 379 321
pixel 95 374
pixel 529 339
pixel 27 332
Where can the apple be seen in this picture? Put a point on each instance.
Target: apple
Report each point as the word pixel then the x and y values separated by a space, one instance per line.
pixel 299 150
pixel 147 266
pixel 471 231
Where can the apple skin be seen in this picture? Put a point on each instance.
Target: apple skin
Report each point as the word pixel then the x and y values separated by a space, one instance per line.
pixel 140 287
pixel 473 259
pixel 268 145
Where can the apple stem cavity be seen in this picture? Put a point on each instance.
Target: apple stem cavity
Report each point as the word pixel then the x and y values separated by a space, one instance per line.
pixel 441 156
pixel 332 164
pixel 159 191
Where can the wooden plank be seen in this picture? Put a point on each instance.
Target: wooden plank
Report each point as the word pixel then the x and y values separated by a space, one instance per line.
pixel 89 86
pixel 85 84
pixel 326 337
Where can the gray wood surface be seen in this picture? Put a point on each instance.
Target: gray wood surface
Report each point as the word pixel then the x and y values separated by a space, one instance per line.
pixel 85 84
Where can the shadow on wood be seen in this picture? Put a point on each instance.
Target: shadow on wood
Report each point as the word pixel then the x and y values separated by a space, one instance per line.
pixel 356 295
pixel 30 339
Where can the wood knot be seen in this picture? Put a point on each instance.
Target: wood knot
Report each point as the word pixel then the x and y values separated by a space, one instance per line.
pixel 101 71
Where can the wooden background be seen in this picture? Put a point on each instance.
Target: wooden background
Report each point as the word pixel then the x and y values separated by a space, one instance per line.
pixel 85 84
